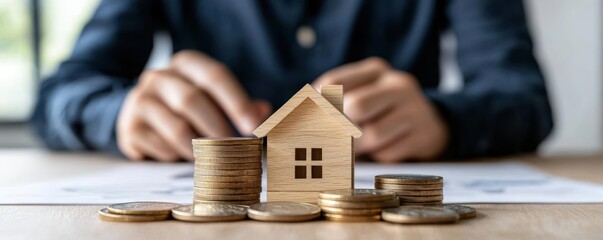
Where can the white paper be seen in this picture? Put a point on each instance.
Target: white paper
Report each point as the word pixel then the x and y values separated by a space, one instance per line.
pixel 495 182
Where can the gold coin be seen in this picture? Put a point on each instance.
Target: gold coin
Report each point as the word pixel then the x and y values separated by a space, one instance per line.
pixel 354 205
pixel 233 166
pixel 227 148
pixel 352 218
pixel 228 178
pixel 229 191
pixel 142 208
pixel 409 187
pixel 228 141
pixel 246 203
pixel 353 195
pixel 418 193
pixel 408 179
pixel 198 153
pixel 345 211
pixel 420 199
pixel 244 172
pixel 239 197
pixel 210 212
pixel 464 212
pixel 283 211
pixel 435 203
pixel 416 214
pixel 105 215
pixel 228 160
pixel 228 185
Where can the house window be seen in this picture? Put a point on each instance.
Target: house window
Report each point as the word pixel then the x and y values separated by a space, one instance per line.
pixel 302 165
pixel 300 172
pixel 316 171
pixel 300 154
pixel 316 154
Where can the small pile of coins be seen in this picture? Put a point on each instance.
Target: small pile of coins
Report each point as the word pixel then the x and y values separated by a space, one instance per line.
pixel 413 189
pixel 227 170
pixel 355 205
pixel 137 212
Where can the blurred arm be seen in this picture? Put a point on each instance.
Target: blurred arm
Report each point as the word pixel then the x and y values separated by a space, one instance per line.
pixel 78 105
pixel 503 108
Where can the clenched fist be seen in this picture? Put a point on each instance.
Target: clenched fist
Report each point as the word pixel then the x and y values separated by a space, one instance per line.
pixel 195 96
pixel 398 122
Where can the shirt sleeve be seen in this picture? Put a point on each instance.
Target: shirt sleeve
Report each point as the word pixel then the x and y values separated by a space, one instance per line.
pixel 77 107
pixel 503 107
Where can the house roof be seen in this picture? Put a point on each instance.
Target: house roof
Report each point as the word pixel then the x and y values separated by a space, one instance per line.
pixel 307 92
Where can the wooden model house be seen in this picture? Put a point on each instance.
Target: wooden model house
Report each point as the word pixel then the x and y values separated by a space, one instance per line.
pixel 309 145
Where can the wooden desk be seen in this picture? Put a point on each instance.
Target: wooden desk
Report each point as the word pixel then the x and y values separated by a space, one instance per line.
pixel 495 221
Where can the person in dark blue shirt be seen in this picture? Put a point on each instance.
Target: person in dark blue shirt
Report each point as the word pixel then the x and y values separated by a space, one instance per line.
pixel 235 61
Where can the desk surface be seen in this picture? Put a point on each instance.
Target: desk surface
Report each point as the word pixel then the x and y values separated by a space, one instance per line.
pixel 504 221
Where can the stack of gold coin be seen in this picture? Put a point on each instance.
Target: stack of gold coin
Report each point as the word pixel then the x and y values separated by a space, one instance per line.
pixel 355 205
pixel 228 170
pixel 413 189
pixel 137 212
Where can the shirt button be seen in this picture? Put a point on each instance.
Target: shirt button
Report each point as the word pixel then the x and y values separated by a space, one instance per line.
pixel 306 37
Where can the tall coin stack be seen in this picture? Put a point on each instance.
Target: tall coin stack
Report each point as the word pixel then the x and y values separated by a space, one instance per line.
pixel 413 189
pixel 228 170
pixel 355 205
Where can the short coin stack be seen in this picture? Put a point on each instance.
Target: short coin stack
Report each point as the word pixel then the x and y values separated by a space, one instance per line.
pixel 413 189
pixel 137 212
pixel 228 170
pixel 283 212
pixel 355 205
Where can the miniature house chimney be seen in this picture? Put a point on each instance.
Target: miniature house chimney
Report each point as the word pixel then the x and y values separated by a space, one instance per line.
pixel 333 94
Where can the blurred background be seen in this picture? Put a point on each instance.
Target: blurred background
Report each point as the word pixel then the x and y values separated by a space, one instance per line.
pixel 36 35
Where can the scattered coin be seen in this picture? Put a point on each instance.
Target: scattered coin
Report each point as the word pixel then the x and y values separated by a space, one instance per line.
pixel 229 185
pixel 234 166
pixel 246 203
pixel 227 191
pixel 204 153
pixel 418 193
pixel 344 211
pixel 228 178
pixel 464 212
pixel 283 211
pixel 228 141
pixel 105 215
pixel 356 205
pixel 228 148
pixel 409 187
pixel 352 218
pixel 142 208
pixel 405 199
pixel 210 212
pixel 226 160
pixel 234 197
pixel 352 195
pixel 408 179
pixel 244 172
pixel 417 215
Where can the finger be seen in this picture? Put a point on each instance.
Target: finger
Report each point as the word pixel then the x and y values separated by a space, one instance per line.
pixel 193 104
pixel 370 101
pixel 176 132
pixel 130 151
pixel 155 147
pixel 400 150
pixel 125 140
pixel 264 109
pixel 383 131
pixel 222 86
pixel 353 75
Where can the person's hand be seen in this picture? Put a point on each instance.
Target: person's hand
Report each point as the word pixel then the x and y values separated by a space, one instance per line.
pixel 193 97
pixel 397 121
